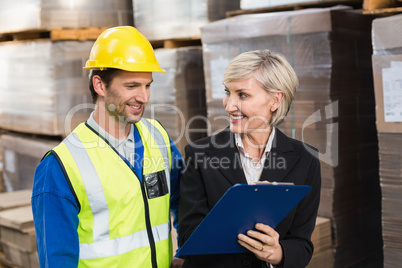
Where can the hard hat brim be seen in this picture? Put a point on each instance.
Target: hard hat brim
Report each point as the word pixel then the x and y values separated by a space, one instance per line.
pixel 131 67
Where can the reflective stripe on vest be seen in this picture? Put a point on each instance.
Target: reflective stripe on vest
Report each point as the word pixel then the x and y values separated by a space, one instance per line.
pixel 117 246
pixel 91 181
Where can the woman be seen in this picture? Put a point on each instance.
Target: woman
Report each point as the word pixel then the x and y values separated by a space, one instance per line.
pixel 259 86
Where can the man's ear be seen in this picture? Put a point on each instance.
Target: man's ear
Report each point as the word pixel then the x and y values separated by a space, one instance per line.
pixel 98 85
pixel 277 100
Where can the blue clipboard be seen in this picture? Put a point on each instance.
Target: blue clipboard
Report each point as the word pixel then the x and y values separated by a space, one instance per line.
pixel 238 210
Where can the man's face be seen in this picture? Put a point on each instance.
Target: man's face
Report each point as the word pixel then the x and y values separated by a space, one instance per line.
pixel 127 95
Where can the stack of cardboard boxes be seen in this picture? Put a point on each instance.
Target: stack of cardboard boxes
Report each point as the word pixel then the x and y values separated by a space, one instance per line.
pixel 44 89
pixel 387 66
pixel 178 96
pixel 22 154
pixel 1 167
pixel 18 237
pixel 44 86
pixel 322 239
pixel 175 19
pixel 32 15
pixel 17 234
pixel 44 95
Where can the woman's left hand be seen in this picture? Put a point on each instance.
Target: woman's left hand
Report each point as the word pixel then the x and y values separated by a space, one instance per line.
pixel 264 243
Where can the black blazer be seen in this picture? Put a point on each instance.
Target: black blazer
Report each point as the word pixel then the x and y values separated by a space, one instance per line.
pixel 213 165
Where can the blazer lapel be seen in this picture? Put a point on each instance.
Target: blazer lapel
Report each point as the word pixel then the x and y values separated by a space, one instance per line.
pixel 280 160
pixel 226 152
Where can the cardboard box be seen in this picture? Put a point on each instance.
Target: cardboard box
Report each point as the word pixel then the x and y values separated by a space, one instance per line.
pixel 20 218
pixel 25 241
pixel 19 257
pixel 323 255
pixel 9 200
pixel 387 67
pixel 324 259
pixel 34 260
pixel 388 111
pixel 4 263
pixel 322 235
pixel 18 235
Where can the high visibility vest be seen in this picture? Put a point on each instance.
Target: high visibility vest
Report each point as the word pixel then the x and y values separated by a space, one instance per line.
pixel 123 222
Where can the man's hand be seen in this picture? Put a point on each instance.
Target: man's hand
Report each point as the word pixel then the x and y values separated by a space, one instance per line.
pixel 177 263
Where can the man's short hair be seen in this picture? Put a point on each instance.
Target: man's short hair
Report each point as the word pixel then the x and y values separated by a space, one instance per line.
pixel 106 76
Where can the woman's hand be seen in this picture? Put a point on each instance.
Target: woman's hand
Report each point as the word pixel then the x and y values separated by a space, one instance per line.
pixel 264 243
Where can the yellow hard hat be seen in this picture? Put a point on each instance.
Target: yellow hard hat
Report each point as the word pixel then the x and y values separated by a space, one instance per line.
pixel 123 48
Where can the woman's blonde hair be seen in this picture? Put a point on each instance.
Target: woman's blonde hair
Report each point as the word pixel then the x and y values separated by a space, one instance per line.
pixel 272 71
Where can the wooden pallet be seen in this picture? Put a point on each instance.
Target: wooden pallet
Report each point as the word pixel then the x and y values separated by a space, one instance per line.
pixel 59 34
pixel 176 43
pixel 56 34
pixel 297 6
pixel 382 11
pixel 381 4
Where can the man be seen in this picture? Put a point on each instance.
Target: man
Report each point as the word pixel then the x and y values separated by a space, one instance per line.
pixel 102 197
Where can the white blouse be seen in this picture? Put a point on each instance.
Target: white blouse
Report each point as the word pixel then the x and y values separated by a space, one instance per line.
pixel 251 170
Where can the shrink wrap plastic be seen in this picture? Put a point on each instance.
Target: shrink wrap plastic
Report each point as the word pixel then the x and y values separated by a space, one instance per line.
pixel 160 19
pixel 39 14
pixel 44 89
pixel 387 67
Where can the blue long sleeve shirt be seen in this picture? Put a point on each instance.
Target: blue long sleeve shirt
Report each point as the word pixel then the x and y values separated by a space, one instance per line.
pixel 55 211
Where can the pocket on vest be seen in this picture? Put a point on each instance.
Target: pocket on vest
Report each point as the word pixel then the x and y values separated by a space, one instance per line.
pixel 156 184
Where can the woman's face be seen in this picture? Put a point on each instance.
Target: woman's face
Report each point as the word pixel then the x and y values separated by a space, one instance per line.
pixel 249 106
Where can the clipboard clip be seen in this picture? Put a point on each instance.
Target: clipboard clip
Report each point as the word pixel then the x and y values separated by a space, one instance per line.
pixel 272 183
